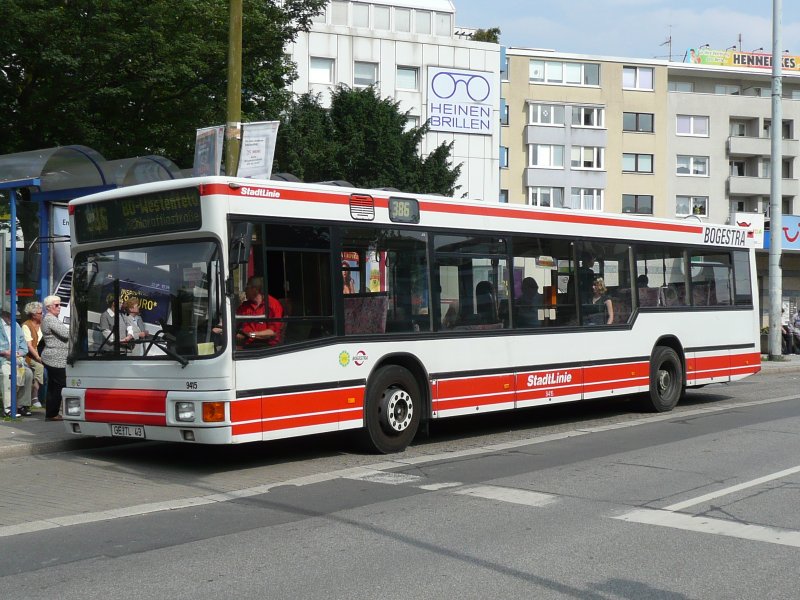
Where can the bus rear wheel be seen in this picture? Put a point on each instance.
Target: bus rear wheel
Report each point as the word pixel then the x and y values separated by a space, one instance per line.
pixel 666 380
pixel 392 409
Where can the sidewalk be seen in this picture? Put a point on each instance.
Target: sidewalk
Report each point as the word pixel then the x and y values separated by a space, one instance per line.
pixel 28 436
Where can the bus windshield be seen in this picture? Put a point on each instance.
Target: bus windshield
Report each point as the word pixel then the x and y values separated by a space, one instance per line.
pixel 155 301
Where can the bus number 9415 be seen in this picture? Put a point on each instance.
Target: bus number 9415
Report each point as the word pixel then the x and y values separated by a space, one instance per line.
pixel 191 385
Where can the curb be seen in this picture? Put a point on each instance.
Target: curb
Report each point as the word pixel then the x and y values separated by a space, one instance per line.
pixel 20 449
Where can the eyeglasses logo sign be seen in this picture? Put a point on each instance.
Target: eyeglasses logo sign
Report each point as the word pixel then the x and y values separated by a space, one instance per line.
pixel 460 101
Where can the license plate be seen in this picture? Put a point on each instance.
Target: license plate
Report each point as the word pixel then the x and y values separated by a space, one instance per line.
pixel 128 431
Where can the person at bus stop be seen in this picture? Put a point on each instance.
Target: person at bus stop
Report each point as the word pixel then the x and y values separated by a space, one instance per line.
pixel 32 331
pixel 54 356
pixel 24 374
pixel 601 309
pixel 257 303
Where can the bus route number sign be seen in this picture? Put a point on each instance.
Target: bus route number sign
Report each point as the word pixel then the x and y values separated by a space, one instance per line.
pixel 403 210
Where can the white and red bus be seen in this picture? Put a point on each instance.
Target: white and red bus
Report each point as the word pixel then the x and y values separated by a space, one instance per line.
pixel 395 309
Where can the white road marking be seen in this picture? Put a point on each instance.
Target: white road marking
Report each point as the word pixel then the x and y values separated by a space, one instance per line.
pixel 757 533
pixel 433 487
pixel 396 463
pixel 730 490
pixel 388 478
pixel 505 494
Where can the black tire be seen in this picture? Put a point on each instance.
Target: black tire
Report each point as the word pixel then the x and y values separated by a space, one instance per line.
pixel 666 380
pixel 392 410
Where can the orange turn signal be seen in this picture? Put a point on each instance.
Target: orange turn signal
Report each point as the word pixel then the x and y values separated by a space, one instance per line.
pixel 213 412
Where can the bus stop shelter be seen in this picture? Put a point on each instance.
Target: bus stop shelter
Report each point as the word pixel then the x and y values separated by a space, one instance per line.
pixel 51 178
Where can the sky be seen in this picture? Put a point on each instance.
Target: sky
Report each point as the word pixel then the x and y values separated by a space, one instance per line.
pixel 633 28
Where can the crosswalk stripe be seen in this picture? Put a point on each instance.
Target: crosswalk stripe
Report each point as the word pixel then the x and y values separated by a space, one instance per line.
pixel 505 494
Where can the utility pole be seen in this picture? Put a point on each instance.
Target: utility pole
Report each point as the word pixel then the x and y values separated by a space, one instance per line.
pixel 775 199
pixel 233 126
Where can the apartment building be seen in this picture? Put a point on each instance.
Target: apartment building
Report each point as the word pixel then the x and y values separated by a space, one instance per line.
pixel 410 51
pixel 652 137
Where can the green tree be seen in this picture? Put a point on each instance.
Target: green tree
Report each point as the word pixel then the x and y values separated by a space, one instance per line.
pixel 363 139
pixel 487 35
pixel 134 78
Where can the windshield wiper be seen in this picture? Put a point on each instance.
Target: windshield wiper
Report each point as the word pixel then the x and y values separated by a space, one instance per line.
pixel 161 340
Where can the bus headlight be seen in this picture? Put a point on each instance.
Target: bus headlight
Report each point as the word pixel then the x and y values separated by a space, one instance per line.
pixel 184 411
pixel 72 407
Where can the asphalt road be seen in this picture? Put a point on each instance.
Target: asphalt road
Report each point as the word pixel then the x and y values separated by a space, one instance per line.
pixel 589 501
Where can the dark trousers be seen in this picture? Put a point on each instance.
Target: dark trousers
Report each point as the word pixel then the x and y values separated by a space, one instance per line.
pixel 56 380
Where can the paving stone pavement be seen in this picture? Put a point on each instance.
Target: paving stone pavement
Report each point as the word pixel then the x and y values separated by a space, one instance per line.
pixel 26 436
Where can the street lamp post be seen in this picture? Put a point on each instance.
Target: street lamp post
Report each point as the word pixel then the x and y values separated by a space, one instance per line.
pixel 233 125
pixel 775 200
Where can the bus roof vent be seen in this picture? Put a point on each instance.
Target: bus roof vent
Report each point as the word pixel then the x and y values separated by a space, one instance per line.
pixel 362 207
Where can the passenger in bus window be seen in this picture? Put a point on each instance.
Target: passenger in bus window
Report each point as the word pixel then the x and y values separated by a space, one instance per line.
pixel 107 325
pixel 528 304
pixel 258 303
pixel 601 310
pixel 349 283
pixel 586 277
pixel 134 325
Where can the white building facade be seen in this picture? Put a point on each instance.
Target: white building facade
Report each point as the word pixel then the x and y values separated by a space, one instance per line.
pixel 408 50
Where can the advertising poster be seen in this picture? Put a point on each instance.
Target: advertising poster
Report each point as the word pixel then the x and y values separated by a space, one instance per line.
pixel 208 151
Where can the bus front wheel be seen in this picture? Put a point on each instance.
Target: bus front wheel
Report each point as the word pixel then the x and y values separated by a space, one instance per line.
pixel 666 380
pixel 392 409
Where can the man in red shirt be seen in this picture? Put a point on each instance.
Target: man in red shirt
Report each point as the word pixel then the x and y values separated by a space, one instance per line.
pixel 251 332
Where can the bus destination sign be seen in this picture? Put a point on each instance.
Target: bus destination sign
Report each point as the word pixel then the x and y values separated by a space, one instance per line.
pixel 134 216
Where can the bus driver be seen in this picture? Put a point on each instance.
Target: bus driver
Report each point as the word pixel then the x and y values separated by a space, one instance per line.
pixel 251 332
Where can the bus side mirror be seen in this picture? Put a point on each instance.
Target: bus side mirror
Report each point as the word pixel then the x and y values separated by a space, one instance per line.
pixel 240 243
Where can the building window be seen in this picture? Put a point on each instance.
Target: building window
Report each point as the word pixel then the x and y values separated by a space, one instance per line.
pixel 407 78
pixel 338 13
pixel 503 112
pixel 380 17
pixel 360 14
pixel 503 157
pixel 692 125
pixel 738 129
pixel 546 197
pixel 503 197
pixel 558 72
pixel 402 19
pixel 444 24
pixel 639 122
pixel 691 205
pixel 586 157
pixel 692 165
pixel 637 163
pixel 412 122
pixel 588 116
pixel 727 90
pixel 423 21
pixel 586 199
pixel 364 74
pixel 545 114
pixel 681 86
pixel 320 70
pixel 637 78
pixel 640 204
pixel 546 155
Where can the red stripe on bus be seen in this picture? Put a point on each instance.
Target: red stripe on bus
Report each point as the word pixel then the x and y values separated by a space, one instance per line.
pixel 311 402
pixel 246 410
pixel 126 418
pixel 450 208
pixel 602 373
pixel 99 404
pixel 449 404
pixel 475 386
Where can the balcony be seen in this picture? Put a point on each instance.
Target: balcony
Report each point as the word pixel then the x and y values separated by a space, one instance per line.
pixel 760 146
pixel 759 186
